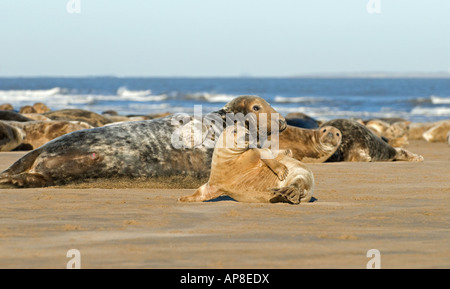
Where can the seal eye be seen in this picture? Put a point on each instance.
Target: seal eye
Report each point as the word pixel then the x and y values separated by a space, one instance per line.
pixel 256 107
pixel 324 130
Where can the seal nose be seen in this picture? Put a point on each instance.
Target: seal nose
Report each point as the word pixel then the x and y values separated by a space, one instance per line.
pixel 330 135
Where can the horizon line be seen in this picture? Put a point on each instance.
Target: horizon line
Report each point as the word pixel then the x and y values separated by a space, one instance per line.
pixel 374 74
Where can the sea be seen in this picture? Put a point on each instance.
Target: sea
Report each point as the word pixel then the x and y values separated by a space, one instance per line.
pixel 414 99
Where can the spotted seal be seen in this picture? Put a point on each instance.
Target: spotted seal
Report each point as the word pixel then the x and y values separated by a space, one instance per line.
pixel 89 117
pixel 10 137
pixel 310 145
pixel 130 149
pixel 359 144
pixel 38 133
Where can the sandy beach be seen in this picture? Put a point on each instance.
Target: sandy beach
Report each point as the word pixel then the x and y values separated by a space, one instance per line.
pixel 402 209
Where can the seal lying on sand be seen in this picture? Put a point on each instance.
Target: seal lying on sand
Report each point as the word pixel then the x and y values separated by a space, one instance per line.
pixel 359 144
pixel 12 115
pixel 89 117
pixel 310 145
pixel 10 137
pixel 396 133
pixel 38 133
pixel 243 174
pixel 131 149
pixel 438 132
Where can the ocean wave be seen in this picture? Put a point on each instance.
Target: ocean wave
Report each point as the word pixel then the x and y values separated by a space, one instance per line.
pixel 439 100
pixel 28 94
pixel 139 95
pixel 209 97
pixel 329 113
pixel 298 99
pixel 431 111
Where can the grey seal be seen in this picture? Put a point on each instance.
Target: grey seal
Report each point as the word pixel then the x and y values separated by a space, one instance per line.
pixel 360 144
pixel 129 149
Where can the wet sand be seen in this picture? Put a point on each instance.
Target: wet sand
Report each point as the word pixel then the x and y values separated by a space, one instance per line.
pixel 402 209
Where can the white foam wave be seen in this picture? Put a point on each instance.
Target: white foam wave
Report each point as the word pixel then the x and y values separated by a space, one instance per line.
pixel 434 111
pixel 138 95
pixel 28 94
pixel 297 99
pixel 440 100
pixel 328 113
pixel 209 97
pixel 123 91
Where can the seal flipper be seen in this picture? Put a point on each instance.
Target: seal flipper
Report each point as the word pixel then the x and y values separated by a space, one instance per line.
pixel 289 194
pixel 204 193
pixel 16 175
pixel 404 155
pixel 25 180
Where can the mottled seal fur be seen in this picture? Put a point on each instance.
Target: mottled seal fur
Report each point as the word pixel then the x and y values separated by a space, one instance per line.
pixel 395 132
pixel 10 137
pixel 130 149
pixel 6 106
pixel 92 118
pixel 310 145
pixel 359 144
pixel 12 115
pixel 438 132
pixel 38 133
pixel 243 174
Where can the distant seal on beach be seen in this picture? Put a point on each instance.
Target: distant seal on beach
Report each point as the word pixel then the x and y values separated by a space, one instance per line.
pixel 40 107
pixel 36 116
pixel 10 137
pixel 301 120
pixel 92 118
pixel 245 175
pixel 6 106
pixel 12 115
pixel 438 132
pixel 27 109
pixel 310 145
pixel 359 144
pixel 38 133
pixel 395 132
pixel 130 149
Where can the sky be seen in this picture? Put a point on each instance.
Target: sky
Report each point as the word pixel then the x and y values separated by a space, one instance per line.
pixel 222 38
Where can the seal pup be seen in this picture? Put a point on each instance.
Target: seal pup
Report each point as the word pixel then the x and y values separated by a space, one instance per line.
pixel 252 174
pixel 359 144
pixel 310 145
pixel 10 137
pixel 130 149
